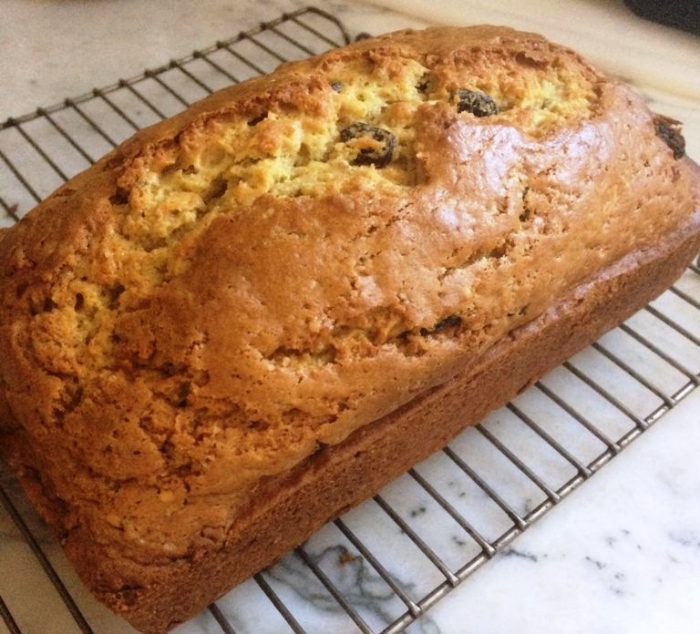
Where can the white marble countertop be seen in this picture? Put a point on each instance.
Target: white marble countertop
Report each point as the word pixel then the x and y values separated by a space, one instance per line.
pixel 622 554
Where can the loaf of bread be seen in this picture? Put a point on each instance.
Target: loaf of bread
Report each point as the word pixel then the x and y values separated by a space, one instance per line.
pixel 251 316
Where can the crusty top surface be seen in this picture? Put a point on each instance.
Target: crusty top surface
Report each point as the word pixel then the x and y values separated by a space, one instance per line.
pixel 298 255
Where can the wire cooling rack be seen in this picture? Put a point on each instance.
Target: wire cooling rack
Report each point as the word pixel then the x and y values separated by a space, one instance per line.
pixel 381 566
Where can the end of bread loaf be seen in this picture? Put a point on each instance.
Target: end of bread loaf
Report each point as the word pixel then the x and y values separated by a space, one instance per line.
pixel 241 288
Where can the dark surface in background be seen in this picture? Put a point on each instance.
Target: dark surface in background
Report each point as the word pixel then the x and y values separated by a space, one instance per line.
pixel 683 14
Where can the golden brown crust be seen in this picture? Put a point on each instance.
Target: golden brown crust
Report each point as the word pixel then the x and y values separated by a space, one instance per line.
pixel 155 598
pixel 235 289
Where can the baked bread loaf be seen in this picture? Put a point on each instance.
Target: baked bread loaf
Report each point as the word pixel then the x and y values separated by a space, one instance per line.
pixel 251 316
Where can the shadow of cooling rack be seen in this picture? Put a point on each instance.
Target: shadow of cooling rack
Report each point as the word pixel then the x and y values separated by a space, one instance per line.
pixel 382 565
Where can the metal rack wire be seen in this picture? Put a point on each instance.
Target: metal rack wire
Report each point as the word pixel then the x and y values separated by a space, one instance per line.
pixel 381 566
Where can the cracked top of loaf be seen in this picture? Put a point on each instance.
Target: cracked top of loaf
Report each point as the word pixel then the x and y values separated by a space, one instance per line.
pixel 296 256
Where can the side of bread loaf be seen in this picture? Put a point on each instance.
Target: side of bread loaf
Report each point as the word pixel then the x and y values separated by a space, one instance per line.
pixel 205 319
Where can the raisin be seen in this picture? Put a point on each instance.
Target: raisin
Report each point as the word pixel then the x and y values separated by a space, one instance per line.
pixel 257 119
pixel 183 393
pixel 120 197
pixel 336 86
pixel 478 103
pixel 216 189
pixel 668 130
pixel 451 321
pixel 49 305
pixel 114 294
pixel 379 156
pixel 423 83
